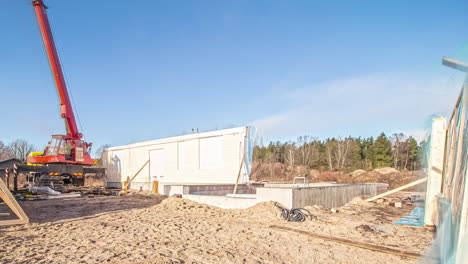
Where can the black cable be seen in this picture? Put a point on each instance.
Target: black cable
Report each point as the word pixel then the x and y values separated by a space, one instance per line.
pixel 295 214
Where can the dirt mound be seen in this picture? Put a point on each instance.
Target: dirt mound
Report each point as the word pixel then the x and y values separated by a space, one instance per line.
pixel 357 172
pixel 282 172
pixel 386 170
pixel 357 201
pixel 393 180
pixel 314 173
pixel 143 196
pixel 173 203
pixel 316 210
pixel 265 210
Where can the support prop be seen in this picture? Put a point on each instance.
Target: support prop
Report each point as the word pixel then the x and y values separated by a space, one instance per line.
pixel 126 184
pixel 8 198
pixel 242 161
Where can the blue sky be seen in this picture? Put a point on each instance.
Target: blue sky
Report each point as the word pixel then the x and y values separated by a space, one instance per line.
pixel 141 70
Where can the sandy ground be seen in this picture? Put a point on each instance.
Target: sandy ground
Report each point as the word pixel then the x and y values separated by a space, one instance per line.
pixel 142 229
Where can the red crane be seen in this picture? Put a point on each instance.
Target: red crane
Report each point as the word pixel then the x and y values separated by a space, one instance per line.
pixel 69 148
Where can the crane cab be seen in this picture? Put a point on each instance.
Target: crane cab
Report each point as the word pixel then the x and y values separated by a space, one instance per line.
pixel 63 149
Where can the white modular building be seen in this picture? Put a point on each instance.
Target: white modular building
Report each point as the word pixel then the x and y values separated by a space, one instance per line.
pixel 215 157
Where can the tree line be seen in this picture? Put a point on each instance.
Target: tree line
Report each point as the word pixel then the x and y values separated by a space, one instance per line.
pixel 18 148
pixel 345 154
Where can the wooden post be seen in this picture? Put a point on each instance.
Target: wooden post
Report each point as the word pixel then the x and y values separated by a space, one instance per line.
pixel 7 178
pixel 434 174
pixel 15 182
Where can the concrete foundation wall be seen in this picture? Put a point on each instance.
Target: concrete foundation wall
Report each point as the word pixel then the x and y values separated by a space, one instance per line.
pixel 283 196
pixel 331 196
pixel 171 189
pixel 327 196
pixel 206 189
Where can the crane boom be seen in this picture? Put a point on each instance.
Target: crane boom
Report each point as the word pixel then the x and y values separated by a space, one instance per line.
pixel 66 160
pixel 62 149
pixel 65 104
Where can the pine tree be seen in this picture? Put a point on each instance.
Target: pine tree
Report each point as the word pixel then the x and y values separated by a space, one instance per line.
pixel 367 154
pixel 382 152
pixel 413 153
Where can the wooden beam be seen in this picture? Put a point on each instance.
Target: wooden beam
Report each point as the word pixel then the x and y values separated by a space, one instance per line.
pixel 8 198
pixel 238 174
pixel 352 243
pixel 134 176
pixel 455 64
pixel 398 189
pixel 242 161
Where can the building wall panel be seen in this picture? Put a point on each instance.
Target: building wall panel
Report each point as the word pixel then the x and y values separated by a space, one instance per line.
pixel 222 149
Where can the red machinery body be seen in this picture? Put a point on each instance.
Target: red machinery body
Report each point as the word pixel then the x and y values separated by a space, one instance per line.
pixel 69 148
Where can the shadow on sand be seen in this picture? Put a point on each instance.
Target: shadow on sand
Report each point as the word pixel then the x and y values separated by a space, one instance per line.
pixel 45 211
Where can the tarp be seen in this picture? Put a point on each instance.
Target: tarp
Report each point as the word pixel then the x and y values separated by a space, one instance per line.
pixel 415 218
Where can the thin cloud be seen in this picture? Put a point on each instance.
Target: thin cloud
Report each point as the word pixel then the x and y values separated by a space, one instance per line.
pixel 361 106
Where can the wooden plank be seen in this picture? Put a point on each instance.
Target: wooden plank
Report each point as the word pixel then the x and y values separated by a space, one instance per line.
pixel 238 174
pixel 455 64
pixel 8 198
pixel 242 161
pixel 397 189
pixel 4 214
pixel 352 243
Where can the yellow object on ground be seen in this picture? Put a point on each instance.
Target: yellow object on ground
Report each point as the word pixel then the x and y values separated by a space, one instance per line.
pixel 124 187
pixel 154 190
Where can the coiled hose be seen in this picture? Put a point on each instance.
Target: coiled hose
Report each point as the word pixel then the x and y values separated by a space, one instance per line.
pixel 295 214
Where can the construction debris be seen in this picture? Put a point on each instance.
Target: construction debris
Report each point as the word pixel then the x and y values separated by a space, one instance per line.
pixel 44 189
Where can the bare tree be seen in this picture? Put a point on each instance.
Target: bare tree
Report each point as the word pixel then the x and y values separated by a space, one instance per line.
pixel 20 149
pixel 398 142
pixel 100 151
pixel 330 146
pixel 290 152
pixel 5 152
pixel 338 152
